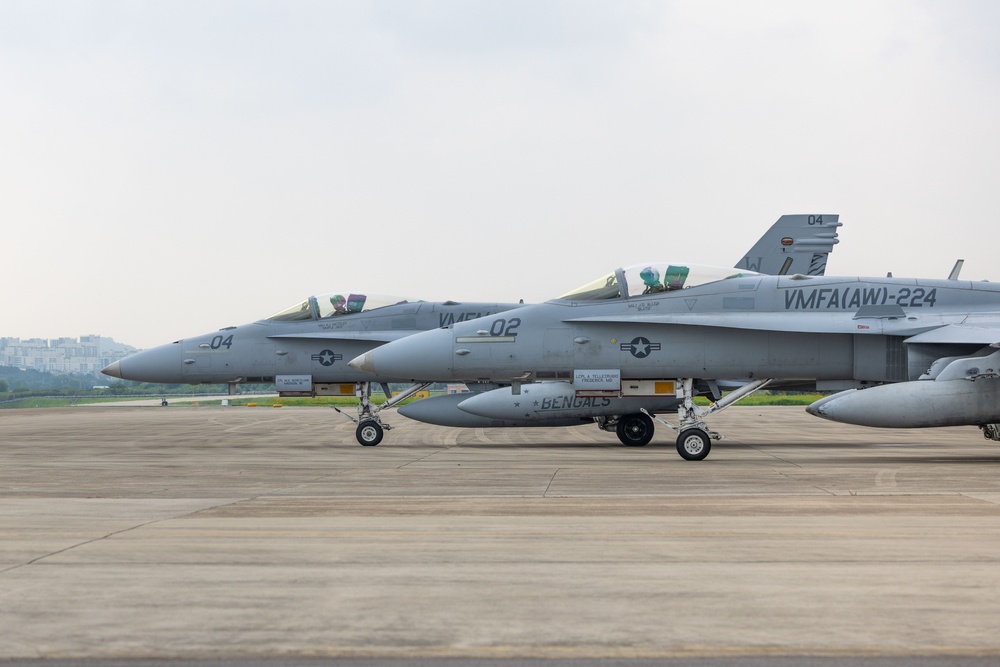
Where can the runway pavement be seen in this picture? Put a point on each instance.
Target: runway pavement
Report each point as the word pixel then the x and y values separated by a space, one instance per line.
pixel 256 533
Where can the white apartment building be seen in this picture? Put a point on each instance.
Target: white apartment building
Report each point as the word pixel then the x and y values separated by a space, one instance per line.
pixel 86 355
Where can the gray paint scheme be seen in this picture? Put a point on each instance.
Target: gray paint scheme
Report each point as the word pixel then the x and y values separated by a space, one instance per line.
pixel 312 341
pixel 794 245
pixel 699 337
pixel 847 330
pixel 259 351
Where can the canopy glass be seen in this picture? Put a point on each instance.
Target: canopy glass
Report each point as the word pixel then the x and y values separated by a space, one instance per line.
pixel 651 278
pixel 334 305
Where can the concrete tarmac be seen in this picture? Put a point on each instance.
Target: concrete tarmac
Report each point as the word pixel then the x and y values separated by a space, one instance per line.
pixel 252 533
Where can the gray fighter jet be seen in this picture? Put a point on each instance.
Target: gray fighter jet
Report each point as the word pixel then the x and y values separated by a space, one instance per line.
pixel 905 352
pixel 303 348
pixel 795 244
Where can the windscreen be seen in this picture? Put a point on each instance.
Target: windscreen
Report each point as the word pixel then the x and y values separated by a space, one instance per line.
pixel 300 311
pixel 334 304
pixel 605 287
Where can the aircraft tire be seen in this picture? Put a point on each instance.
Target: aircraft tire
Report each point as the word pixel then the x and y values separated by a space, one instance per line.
pixel 369 433
pixel 635 430
pixel 693 444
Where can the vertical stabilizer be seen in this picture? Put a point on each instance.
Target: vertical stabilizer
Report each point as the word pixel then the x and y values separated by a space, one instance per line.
pixel 794 244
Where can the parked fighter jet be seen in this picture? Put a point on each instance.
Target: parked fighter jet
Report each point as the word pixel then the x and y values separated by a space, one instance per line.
pixel 301 348
pixel 796 244
pixel 908 352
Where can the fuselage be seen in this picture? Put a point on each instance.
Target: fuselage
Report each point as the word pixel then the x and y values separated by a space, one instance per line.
pixel 744 327
pixel 313 345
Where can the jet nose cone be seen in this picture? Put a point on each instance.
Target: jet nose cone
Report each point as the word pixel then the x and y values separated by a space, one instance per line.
pixel 422 356
pixel 363 363
pixel 159 364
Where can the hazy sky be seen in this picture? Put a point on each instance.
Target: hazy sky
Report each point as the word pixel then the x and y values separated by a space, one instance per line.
pixel 170 168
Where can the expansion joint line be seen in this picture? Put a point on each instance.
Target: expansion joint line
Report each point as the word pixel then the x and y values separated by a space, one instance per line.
pixel 82 544
pixel 549 485
pixel 444 448
pixel 115 533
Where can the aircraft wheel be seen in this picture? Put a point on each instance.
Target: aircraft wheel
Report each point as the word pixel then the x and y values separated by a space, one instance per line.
pixel 369 433
pixel 635 430
pixel 693 444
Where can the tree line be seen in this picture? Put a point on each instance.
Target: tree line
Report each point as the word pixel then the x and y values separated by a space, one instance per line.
pixel 18 383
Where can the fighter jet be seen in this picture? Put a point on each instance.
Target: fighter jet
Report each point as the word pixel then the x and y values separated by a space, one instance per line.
pixel 906 352
pixel 797 244
pixel 303 348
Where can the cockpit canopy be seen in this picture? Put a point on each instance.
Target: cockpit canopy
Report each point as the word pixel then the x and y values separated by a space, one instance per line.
pixel 651 278
pixel 334 305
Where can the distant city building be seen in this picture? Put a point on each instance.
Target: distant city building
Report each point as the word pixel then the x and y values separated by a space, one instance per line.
pixel 85 356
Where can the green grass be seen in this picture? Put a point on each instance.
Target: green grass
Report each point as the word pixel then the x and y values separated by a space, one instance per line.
pixel 57 402
pixel 297 401
pixel 772 399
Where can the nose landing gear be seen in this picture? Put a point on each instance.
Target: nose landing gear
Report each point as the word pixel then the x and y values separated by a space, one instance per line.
pixel 369 432
pixel 694 440
pixel 371 429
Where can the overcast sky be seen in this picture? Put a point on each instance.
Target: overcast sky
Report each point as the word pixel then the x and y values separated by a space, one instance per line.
pixel 170 168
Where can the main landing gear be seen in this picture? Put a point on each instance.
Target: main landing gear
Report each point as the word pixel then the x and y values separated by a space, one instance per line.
pixel 694 440
pixel 371 429
pixel 635 430
pixel 990 431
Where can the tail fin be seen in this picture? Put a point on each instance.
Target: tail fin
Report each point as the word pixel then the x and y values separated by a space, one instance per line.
pixel 794 244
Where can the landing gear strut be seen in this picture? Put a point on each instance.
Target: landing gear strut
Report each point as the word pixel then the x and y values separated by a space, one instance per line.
pixel 694 440
pixel 371 429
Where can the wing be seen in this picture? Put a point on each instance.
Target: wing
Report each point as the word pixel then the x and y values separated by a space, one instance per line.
pixel 791 322
pixel 383 336
pixel 960 333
